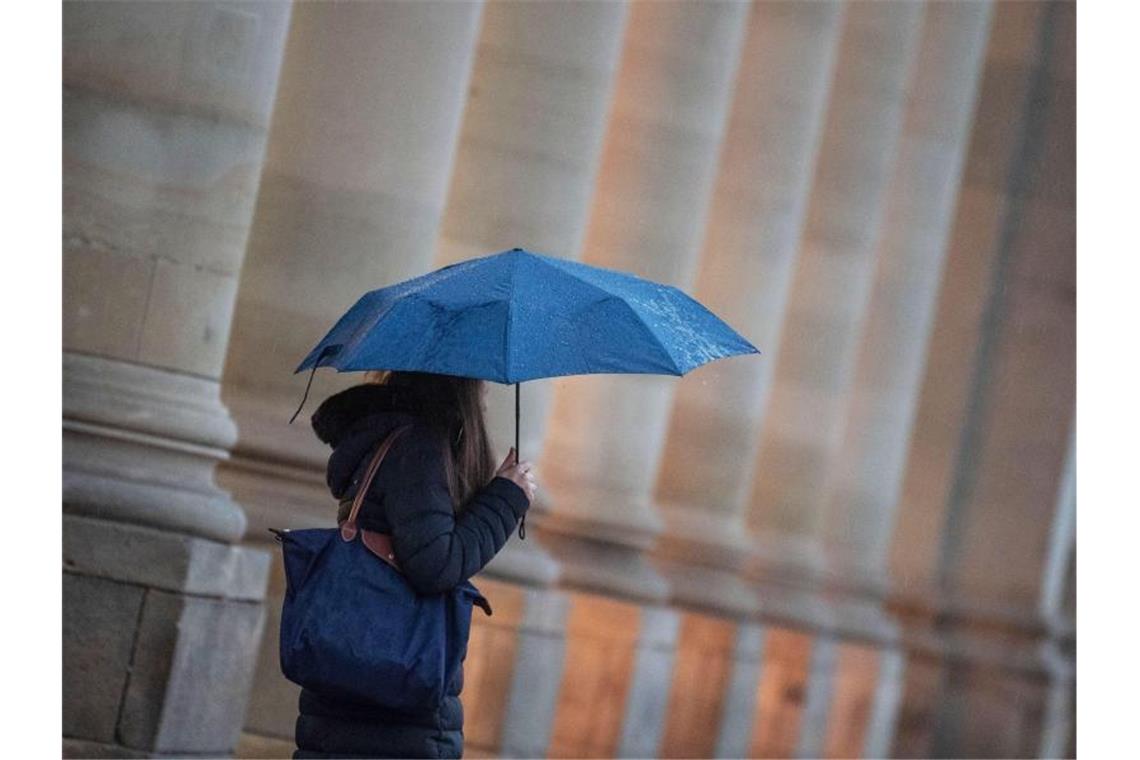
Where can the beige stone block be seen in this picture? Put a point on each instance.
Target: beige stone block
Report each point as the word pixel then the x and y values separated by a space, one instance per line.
pixel 153 183
pixel 163 559
pixel 104 298
pixel 216 59
pixel 186 693
pixel 98 639
pixel 187 322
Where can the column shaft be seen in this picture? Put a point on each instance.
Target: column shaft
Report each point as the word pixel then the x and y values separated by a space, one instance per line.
pixel 990 444
pixel 866 475
pixel 653 190
pixel 745 270
pixel 524 172
pixel 832 282
pixel 352 196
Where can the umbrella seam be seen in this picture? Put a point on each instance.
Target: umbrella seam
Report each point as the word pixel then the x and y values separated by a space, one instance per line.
pixel 509 327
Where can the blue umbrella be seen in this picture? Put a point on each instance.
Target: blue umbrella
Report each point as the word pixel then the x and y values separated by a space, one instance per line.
pixel 516 316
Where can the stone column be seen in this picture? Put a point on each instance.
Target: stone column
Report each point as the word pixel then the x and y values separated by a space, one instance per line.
pixel 524 173
pixel 828 299
pixel 649 209
pixel 353 191
pixel 745 270
pixel 971 551
pixel 866 476
pixel 165 113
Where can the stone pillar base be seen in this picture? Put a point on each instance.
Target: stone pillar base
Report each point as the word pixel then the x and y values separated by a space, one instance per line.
pixel 601 567
pixel 160 634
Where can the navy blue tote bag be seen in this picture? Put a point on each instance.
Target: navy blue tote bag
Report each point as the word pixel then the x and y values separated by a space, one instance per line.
pixel 352 627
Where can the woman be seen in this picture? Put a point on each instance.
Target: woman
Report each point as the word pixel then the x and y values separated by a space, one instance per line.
pixel 447 510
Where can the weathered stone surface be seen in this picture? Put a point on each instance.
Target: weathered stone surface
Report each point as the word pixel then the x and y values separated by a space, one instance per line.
pixel 163 560
pixel 99 619
pixel 191 674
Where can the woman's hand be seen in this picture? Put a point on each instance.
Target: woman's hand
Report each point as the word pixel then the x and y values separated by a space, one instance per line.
pixel 521 474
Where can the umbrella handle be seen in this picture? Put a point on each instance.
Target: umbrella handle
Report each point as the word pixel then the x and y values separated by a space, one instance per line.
pixel 518 458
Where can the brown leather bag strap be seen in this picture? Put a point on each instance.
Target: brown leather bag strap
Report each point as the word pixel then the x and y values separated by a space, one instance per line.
pixel 348 527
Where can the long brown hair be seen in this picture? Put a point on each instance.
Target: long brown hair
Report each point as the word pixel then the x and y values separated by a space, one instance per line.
pixel 458 406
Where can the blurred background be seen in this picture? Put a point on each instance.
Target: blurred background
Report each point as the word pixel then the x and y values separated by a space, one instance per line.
pixel 859 543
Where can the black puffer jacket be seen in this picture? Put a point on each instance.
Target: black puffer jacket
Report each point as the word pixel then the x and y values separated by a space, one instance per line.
pixel 436 550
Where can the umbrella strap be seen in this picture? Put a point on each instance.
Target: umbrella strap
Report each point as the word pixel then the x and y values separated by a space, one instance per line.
pixel 348 527
pixel 308 385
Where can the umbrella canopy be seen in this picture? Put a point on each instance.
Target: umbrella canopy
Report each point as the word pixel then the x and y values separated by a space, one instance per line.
pixel 516 316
